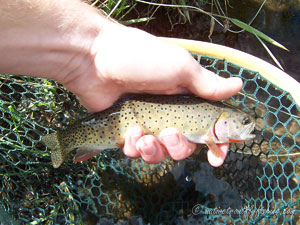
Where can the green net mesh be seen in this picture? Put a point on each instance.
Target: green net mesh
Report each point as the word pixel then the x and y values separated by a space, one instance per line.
pixel 258 183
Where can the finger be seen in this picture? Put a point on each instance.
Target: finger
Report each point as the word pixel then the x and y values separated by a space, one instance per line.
pixel 207 84
pixel 218 161
pixel 132 135
pixel 150 149
pixel 177 146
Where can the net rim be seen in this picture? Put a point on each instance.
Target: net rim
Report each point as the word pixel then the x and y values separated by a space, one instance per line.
pixel 245 60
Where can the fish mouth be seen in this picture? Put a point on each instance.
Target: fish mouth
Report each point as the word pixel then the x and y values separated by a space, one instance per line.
pixel 246 132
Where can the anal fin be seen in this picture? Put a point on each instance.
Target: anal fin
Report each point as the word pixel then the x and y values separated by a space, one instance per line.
pixel 83 154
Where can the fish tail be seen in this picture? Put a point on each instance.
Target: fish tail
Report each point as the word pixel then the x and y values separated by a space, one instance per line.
pixel 52 142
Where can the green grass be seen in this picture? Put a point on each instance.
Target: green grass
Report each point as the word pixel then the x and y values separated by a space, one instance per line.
pixel 119 9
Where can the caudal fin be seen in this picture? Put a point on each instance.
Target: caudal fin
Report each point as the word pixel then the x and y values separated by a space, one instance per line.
pixel 51 142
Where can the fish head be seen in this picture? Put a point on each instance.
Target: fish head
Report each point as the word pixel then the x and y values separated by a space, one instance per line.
pixel 234 127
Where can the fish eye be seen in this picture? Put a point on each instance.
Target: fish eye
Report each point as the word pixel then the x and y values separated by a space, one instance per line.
pixel 245 121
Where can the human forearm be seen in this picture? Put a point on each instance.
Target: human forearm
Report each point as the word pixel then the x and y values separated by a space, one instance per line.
pixel 47 38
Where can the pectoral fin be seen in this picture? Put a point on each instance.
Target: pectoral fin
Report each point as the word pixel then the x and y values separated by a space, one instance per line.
pixel 83 154
pixel 213 146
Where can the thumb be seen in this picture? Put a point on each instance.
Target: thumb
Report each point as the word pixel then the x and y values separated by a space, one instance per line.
pixel 209 85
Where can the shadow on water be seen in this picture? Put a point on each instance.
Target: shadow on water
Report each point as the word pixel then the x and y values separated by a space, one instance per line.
pixel 191 191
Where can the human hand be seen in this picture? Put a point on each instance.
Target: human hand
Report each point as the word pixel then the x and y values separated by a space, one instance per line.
pixel 100 60
pixel 128 60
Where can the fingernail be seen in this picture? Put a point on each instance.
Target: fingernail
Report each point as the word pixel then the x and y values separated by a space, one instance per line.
pixel 146 147
pixel 171 140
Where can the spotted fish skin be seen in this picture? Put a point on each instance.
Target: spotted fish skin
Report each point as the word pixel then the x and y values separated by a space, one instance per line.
pixel 193 116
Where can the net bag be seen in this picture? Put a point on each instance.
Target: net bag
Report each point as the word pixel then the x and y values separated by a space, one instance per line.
pixel 258 183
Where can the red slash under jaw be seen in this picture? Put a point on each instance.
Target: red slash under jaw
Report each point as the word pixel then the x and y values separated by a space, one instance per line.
pixel 214 131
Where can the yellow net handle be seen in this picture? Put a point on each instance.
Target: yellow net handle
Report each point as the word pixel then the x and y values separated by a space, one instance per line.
pixel 245 60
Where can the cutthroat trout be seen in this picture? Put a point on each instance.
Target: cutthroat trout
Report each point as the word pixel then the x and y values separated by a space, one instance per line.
pixel 199 120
